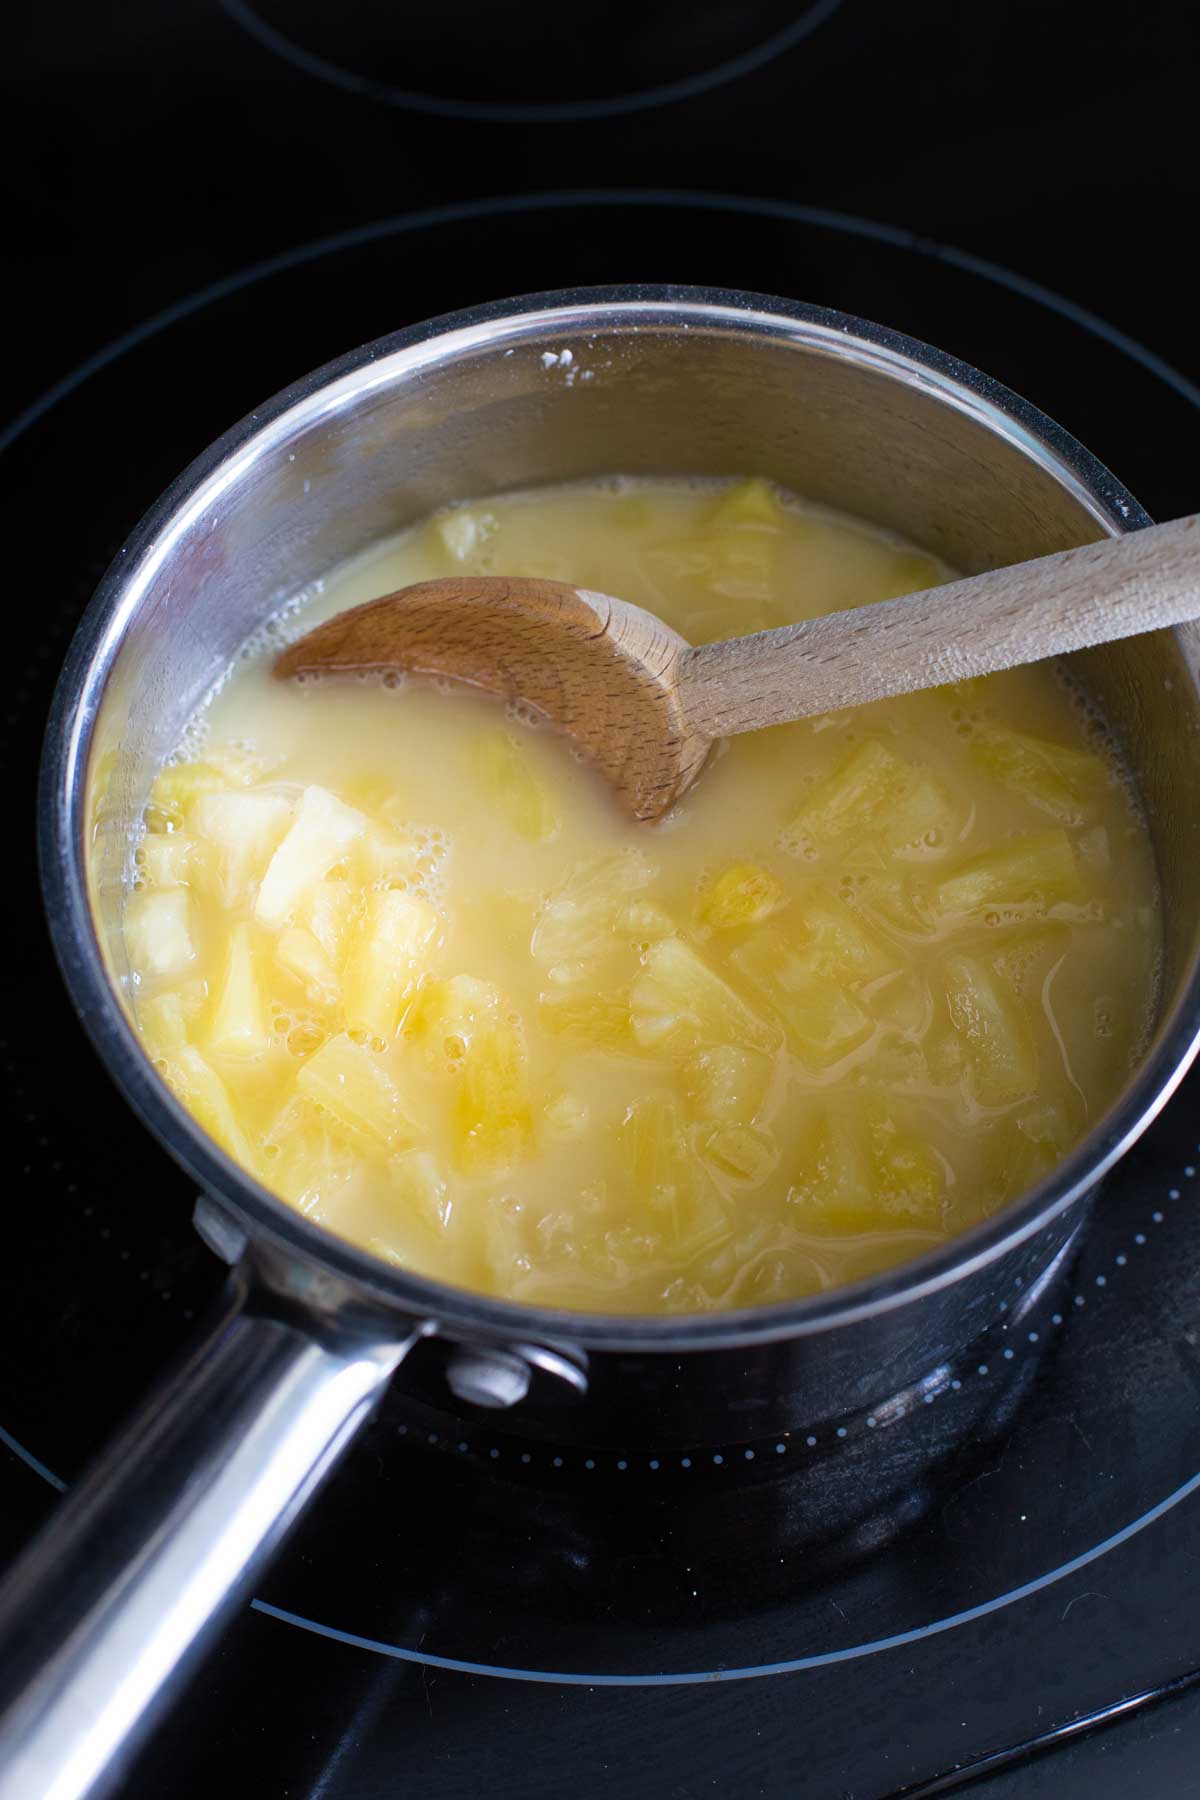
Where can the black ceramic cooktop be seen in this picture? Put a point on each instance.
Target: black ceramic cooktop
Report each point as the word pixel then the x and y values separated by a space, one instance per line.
pixel 202 202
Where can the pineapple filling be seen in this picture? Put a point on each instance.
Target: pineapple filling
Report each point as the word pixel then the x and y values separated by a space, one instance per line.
pixel 401 954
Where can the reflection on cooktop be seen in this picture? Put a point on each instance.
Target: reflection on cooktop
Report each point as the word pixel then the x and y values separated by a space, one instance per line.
pixel 533 62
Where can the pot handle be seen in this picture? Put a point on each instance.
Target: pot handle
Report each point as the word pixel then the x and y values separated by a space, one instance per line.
pixel 121 1591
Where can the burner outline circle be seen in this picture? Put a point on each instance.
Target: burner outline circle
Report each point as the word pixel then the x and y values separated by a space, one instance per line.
pixel 700 201
pixel 532 112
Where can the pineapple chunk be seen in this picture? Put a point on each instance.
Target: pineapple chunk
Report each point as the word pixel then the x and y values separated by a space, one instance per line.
pixel 198 1087
pixel 680 1200
pixel 310 1162
pixel 834 1187
pixel 835 940
pixel 1057 780
pixel 911 573
pixel 462 531
pixel 244 829
pixel 741 1153
pixel 239 1023
pixel 642 922
pixel 331 910
pixel 909 1180
pixel 157 933
pixel 305 958
pixel 493 1118
pixel 852 795
pixel 321 833
pixel 920 818
pixel 566 1115
pixel 355 1089
pixel 1039 867
pixel 728 1084
pixel 1000 1050
pixel 743 894
pixel 389 954
pixel 162 1025
pixel 176 789
pixel 578 924
pixel 168 859
pixel 591 1024
pixel 678 1004
pixel 824 1022
pixel 447 1014
pixel 383 857
pixel 753 502
pixel 420 1190
pixel 502 767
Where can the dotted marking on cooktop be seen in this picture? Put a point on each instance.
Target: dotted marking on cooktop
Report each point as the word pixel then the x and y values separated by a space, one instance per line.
pixel 532 112
pixel 683 1678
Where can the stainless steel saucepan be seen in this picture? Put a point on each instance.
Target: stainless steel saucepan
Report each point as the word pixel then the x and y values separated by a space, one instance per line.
pixel 100 1621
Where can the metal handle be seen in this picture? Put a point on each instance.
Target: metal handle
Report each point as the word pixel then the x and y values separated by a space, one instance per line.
pixel 122 1589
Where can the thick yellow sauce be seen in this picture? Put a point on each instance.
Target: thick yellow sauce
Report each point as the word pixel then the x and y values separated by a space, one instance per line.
pixel 404 957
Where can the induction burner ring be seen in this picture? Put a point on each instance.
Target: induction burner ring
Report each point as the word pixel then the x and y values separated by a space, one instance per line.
pixel 696 200
pixel 788 1666
pixel 502 112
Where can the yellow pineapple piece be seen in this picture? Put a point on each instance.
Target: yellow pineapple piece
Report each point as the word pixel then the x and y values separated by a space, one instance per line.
pixel 493 1118
pixel 322 832
pixel 305 958
pixel 243 828
pixel 911 573
pixel 462 531
pixel 330 912
pixel 446 1014
pixel 176 789
pixel 728 1084
pixel 743 894
pixel 197 1086
pixel 392 949
pixel 642 922
pixel 910 1182
pixel 678 1003
pixel 419 1189
pixel 1033 1145
pixel 590 1024
pixel 163 1024
pixel 239 1025
pixel 833 1186
pixel 824 1021
pixel 169 859
pixel 506 776
pixel 578 925
pixel 566 1115
pixel 355 1089
pixel 1001 1054
pixel 834 938
pixel 741 1153
pixel 1041 867
pixel 158 932
pixel 1052 777
pixel 753 502
pixel 921 817
pixel 854 793
pixel 681 1203
pixel 384 857
pixel 305 1157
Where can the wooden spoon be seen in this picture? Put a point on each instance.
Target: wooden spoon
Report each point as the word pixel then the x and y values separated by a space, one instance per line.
pixel 647 706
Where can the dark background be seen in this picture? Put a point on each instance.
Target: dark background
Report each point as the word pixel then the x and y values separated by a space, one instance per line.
pixel 152 159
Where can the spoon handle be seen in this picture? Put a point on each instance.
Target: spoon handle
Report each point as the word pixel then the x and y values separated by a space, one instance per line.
pixel 1121 586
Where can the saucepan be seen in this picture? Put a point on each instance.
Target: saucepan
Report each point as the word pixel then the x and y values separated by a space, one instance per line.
pixel 106 1612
